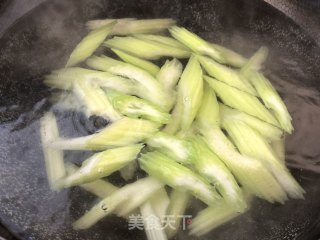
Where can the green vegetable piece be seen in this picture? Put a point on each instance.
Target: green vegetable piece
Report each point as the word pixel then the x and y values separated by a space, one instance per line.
pixel 160 202
pixel 146 49
pixel 177 176
pixel 231 57
pixel 89 44
pixel 256 61
pixel 141 63
pixel 279 148
pixel 162 39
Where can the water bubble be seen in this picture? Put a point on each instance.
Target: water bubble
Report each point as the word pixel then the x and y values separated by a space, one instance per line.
pixel 104 207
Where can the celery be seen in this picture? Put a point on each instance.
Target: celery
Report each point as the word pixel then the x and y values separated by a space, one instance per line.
pixel 53 157
pixel 160 202
pixel 177 149
pixel 149 86
pixel 89 44
pixel 231 57
pixel 226 75
pixel 251 173
pixel 240 100
pixel 126 26
pixel 162 39
pixel 152 224
pixel 177 176
pixel 146 49
pixel 137 192
pixel 141 63
pixel 279 148
pixel 103 164
pixel 272 100
pixel 169 74
pixel 195 43
pixel 215 171
pixel 95 100
pixel 134 107
pixel 268 131
pixel 255 62
pixel 190 91
pixel 120 133
pixel 128 171
pixel 252 144
pixel 174 124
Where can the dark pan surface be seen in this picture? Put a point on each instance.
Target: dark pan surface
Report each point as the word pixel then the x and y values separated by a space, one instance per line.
pixel 42 40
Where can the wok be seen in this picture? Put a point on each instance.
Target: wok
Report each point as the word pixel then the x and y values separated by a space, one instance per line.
pixel 41 41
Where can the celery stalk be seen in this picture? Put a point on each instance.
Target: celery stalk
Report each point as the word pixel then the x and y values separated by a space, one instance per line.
pixel 141 63
pixel 151 88
pixel 126 26
pixel 251 173
pixel 103 164
pixel 178 149
pixel 240 100
pixel 178 204
pixel 95 100
pixel 231 57
pixel 89 44
pixel 252 144
pixel 134 107
pixel 162 39
pixel 152 224
pixel 174 124
pixel 128 171
pixel 279 148
pixel 177 176
pixel 169 74
pixel 195 43
pixel 120 133
pixel 226 75
pixel 53 157
pixel 215 171
pixel 272 100
pixel 256 61
pixel 160 202
pixel 268 131
pixel 141 189
pixel 146 49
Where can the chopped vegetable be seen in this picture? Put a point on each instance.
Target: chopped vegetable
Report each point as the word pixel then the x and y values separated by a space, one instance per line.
pixel 279 148
pixel 240 100
pixel 128 171
pixel 146 49
pixel 89 44
pixel 94 24
pixel 162 39
pixel 53 157
pixel 231 57
pixel 120 133
pixel 141 63
pixel 255 62
pixel 160 202
pixel 177 176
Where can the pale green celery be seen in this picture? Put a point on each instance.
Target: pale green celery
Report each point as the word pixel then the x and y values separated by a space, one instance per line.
pixel 231 57
pixel 160 202
pixel 53 157
pixel 128 171
pixel 272 100
pixel 162 39
pixel 227 75
pixel 134 107
pixel 209 110
pixel 252 144
pixel 89 44
pixel 249 172
pixel 94 24
pixel 279 147
pixel 146 49
pixel 242 101
pixel 94 99
pixel 103 164
pixel 177 176
pixel 178 204
pixel 216 172
pixel 190 92
pixel 99 188
pixel 127 26
pixel 150 88
pixel 270 132
pixel 120 133
pixel 195 43
pixel 138 62
pixel 178 149
pixel 174 125
pixel 64 78
pixel 141 189
pixel 152 224
pixel 169 74
pixel 256 61
pixel 211 218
